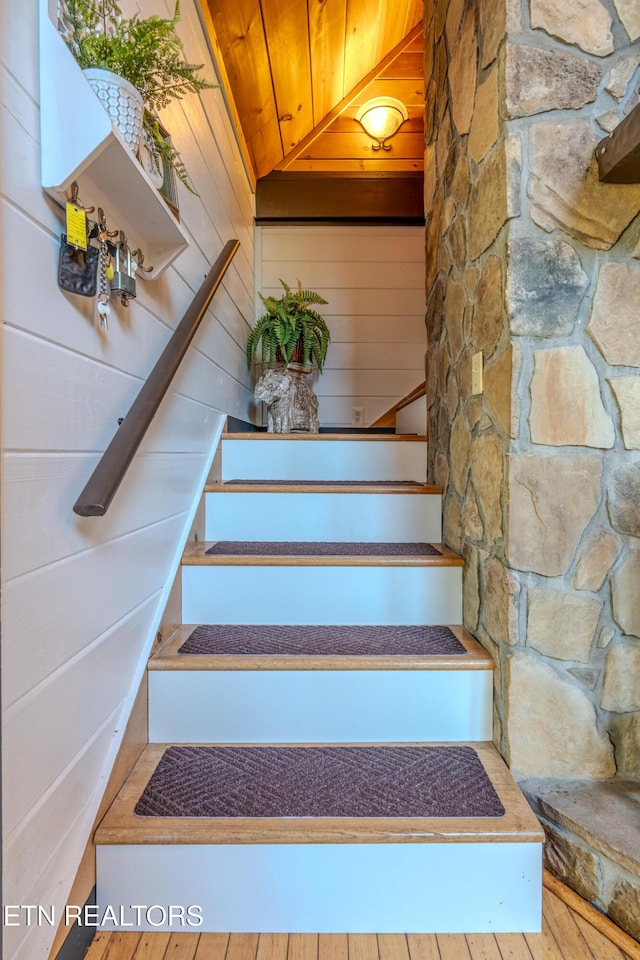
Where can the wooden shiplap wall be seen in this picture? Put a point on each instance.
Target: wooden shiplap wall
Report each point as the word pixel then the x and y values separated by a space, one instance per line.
pixel 82 597
pixel 373 280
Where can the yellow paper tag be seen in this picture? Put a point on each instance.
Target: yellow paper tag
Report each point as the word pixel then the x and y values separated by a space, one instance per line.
pixel 76 226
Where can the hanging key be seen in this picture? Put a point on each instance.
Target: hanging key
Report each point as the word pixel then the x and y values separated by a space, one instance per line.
pixel 104 310
pixel 104 235
pixel 124 281
pixel 103 296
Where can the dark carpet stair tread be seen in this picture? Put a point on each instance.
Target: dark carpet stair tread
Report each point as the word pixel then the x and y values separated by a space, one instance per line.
pixel 296 548
pixel 295 640
pixel 121 825
pixel 443 781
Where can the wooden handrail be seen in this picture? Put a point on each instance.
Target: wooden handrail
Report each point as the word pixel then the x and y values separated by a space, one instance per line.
pixel 108 475
pixel 388 419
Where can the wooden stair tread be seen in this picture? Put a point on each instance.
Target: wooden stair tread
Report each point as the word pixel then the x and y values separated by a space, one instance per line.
pixel 167 657
pixel 378 437
pixel 121 825
pixel 284 487
pixel 195 554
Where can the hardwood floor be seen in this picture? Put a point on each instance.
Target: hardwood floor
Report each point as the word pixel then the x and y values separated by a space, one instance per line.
pixel 567 934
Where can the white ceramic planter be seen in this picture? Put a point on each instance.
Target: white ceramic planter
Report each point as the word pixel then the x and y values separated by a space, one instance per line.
pixel 122 101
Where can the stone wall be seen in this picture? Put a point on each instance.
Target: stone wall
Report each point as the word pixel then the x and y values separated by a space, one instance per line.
pixel 573 307
pixel 592 841
pixel 471 193
pixel 534 262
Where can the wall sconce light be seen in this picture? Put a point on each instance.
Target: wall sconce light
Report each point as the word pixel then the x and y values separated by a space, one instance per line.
pixel 381 118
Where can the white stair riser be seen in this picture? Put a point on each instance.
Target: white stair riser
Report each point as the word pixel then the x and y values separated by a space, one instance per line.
pixel 324 460
pixel 307 706
pixel 365 517
pixel 332 888
pixel 321 595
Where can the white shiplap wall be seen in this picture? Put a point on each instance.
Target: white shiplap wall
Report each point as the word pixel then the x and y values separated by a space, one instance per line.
pixel 82 597
pixel 373 279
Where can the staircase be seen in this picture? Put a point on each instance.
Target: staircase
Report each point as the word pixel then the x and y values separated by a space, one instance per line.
pixel 362 792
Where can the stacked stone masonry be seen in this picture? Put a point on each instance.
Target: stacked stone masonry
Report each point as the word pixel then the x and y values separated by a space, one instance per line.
pixel 536 263
pixel 602 866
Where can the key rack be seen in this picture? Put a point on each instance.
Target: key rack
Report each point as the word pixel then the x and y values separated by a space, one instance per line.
pixel 79 142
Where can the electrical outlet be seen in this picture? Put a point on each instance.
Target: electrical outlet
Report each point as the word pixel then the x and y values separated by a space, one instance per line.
pixel 357 417
pixel 476 373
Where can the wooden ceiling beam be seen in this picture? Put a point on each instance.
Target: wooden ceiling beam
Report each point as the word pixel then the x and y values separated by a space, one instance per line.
pixel 410 90
pixel 326 122
pixel 385 167
pixel 240 34
pixel 327 20
pixel 416 13
pixel 341 196
pixel 286 28
pixel 345 122
pixel 408 64
pixel 391 27
pixel 360 39
pixel 227 90
pixel 357 146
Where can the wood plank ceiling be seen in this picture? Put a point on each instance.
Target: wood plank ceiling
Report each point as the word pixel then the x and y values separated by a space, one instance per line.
pixel 296 71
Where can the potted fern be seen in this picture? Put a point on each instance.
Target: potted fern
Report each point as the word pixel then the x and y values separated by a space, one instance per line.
pixel 291 330
pixel 292 337
pixel 145 53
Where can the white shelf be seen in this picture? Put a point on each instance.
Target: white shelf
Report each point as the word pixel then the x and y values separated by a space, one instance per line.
pixel 79 142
